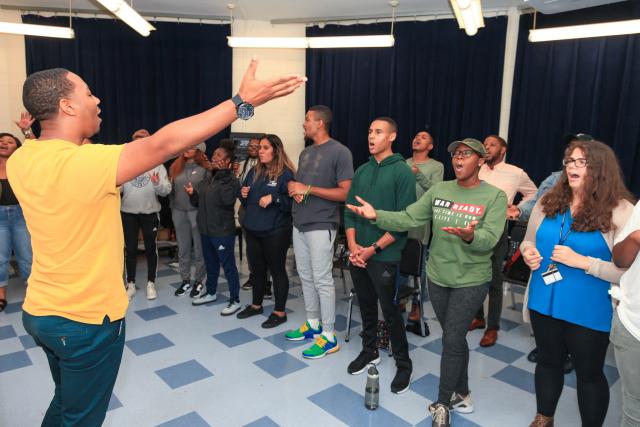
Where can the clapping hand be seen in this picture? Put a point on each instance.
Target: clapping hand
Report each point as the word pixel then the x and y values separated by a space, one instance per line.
pixel 155 178
pixel 189 189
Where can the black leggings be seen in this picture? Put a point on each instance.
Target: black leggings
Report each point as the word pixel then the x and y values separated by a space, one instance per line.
pixel 588 348
pixel 149 223
pixel 269 253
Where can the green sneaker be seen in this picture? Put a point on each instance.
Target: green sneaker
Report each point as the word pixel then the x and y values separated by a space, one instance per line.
pixel 303 332
pixel 321 348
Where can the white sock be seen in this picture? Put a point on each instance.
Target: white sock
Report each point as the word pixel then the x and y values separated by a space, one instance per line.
pixel 329 335
pixel 314 323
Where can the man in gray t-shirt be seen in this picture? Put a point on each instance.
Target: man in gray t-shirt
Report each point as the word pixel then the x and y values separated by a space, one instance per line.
pixel 323 180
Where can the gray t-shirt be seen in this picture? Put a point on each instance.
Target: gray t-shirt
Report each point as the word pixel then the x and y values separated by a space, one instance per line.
pixel 192 173
pixel 323 165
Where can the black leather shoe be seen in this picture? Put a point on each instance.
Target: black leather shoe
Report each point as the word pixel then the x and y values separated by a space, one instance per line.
pixel 568 365
pixel 533 356
pixel 273 321
pixel 249 311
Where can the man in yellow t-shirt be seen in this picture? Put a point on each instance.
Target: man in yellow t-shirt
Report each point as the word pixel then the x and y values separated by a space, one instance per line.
pixel 75 302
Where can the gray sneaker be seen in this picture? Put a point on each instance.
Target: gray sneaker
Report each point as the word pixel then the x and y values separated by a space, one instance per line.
pixel 461 404
pixel 204 299
pixel 231 308
pixel 440 415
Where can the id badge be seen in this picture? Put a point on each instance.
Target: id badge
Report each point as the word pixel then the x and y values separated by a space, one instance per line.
pixel 552 275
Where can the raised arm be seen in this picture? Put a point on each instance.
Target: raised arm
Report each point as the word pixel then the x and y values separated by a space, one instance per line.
pixel 146 153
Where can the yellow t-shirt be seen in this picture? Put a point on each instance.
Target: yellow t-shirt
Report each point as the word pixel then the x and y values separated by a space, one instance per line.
pixel 71 204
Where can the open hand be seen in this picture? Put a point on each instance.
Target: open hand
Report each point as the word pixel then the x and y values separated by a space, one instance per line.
pixel 257 92
pixel 366 210
pixel 465 233
pixel 25 122
pixel 532 258
pixel 155 178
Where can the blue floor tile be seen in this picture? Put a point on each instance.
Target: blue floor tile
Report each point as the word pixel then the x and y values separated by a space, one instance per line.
pixel 341 323
pixel 192 419
pixel 501 352
pixel 517 377
pixel 114 403
pixel 148 344
pixel 507 325
pixel 13 307
pixel 11 361
pixel 7 332
pixel 236 337
pixel 348 406
pixel 155 312
pixel 263 422
pixel 434 346
pixel 609 371
pixel 165 273
pixel 27 342
pixel 279 341
pixel 183 374
pixel 280 364
pixel 426 386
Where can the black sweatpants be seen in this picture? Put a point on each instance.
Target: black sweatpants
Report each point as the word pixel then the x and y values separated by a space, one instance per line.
pixel 588 348
pixel 377 282
pixel 149 224
pixel 268 253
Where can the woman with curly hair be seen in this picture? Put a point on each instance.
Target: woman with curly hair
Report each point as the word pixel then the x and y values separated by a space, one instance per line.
pixel 568 248
pixel 189 168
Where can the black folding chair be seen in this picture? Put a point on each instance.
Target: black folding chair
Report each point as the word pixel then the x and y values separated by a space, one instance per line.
pixel 515 271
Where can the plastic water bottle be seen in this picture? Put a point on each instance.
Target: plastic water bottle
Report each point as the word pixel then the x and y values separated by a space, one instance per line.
pixel 372 390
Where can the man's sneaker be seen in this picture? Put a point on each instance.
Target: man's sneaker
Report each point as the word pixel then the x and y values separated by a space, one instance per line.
pixel 440 416
pixel 321 348
pixel 247 285
pixel 360 363
pixel 273 321
pixel 204 299
pixel 303 332
pixel 197 290
pixel 186 285
pixel 231 308
pixel 151 290
pixel 401 381
pixel 131 289
pixel 462 404
pixel 249 311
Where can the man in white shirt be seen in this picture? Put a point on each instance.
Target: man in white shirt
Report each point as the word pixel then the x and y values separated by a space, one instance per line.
pixel 512 180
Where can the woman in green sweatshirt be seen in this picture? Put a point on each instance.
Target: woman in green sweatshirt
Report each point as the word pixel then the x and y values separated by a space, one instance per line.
pixel 468 217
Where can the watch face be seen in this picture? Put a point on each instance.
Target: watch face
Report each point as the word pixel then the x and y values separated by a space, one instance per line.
pixel 245 111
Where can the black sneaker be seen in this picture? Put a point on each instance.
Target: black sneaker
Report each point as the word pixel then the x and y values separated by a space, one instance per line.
pixel 197 289
pixel 401 381
pixel 186 285
pixel 273 321
pixel 247 285
pixel 533 355
pixel 360 363
pixel 249 311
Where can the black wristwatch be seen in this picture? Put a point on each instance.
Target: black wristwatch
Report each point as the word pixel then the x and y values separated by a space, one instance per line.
pixel 244 110
pixel 376 247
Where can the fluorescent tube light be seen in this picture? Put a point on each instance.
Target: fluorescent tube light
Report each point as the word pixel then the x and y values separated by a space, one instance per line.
pixel 585 31
pixel 36 30
pixel 269 42
pixel 132 18
pixel 351 41
pixel 311 42
pixel 468 14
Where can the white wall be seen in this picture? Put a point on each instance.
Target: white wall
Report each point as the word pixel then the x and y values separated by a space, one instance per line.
pixel 283 116
pixel 13 72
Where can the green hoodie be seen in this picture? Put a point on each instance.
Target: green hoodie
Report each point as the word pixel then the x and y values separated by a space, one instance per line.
pixel 388 185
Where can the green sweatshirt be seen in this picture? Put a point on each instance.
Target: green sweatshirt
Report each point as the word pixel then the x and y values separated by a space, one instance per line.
pixel 452 262
pixel 389 185
pixel 429 173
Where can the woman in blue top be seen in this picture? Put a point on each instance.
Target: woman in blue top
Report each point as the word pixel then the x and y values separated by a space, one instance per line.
pixel 267 224
pixel 568 248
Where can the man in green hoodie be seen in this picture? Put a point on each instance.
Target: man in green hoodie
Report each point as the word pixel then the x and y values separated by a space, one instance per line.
pixel 375 253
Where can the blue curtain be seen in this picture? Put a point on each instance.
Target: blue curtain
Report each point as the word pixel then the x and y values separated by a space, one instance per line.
pixel 142 82
pixel 436 77
pixel 589 85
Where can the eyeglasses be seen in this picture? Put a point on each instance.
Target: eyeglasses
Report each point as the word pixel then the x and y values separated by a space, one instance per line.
pixel 579 163
pixel 462 154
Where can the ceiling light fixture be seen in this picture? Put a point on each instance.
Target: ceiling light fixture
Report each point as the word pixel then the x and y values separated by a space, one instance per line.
pixel 468 14
pixel 585 31
pixel 36 30
pixel 127 14
pixel 315 42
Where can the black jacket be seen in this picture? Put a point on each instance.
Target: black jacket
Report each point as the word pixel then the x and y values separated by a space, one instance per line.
pixel 215 199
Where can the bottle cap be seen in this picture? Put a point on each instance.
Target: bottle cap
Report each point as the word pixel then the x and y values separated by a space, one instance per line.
pixel 373 371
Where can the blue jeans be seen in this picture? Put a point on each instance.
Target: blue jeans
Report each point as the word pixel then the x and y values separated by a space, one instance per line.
pixel 14 236
pixel 219 251
pixel 84 360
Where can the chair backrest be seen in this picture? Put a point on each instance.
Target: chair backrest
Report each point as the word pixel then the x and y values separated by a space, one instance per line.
pixel 516 236
pixel 411 260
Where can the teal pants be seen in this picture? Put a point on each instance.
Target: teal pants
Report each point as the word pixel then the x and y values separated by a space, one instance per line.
pixel 84 360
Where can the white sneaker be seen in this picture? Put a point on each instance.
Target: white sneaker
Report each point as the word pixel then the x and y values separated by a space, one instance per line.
pixel 204 299
pixel 462 404
pixel 131 289
pixel 151 291
pixel 231 308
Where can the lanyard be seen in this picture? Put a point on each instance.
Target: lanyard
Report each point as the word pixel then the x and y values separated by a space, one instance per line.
pixel 562 238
